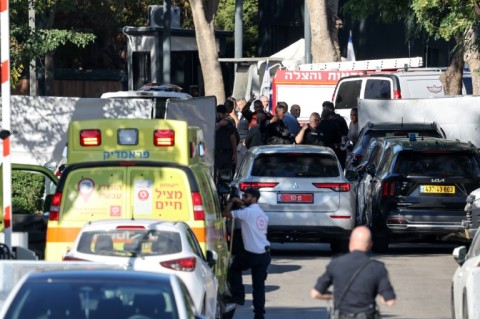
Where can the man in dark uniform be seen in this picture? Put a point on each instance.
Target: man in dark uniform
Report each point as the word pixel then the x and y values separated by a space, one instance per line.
pixel 225 142
pixel 328 128
pixel 342 128
pixel 310 134
pixel 358 301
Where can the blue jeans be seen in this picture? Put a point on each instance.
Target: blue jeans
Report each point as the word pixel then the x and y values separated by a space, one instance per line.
pixel 258 264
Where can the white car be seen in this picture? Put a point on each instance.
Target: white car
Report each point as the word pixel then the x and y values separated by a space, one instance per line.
pixel 97 294
pixel 465 282
pixel 155 246
pixel 472 212
pixel 303 191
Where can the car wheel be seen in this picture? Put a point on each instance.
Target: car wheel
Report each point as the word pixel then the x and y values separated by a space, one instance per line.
pixel 464 306
pixel 223 311
pixel 380 244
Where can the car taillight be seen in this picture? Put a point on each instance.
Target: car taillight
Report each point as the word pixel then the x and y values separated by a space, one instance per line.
pixel 69 258
pixel 198 212
pixel 90 137
pixel 184 264
pixel 55 207
pixel 337 187
pixel 397 94
pixel 244 186
pixel 388 189
pixel 164 138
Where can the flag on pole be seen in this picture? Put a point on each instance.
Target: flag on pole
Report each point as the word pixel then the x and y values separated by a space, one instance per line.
pixel 350 50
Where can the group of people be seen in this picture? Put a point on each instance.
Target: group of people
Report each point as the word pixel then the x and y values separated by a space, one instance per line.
pixel 357 278
pixel 239 128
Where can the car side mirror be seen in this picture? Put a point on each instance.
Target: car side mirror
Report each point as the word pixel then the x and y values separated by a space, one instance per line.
pixel 212 258
pixel 460 254
pixel 351 175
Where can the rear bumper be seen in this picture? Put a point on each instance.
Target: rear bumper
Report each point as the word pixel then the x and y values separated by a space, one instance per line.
pixel 443 224
pixel 306 233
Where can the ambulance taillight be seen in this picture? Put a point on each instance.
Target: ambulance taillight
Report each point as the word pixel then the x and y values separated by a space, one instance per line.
pixel 198 212
pixel 55 207
pixel 164 138
pixel 397 94
pixel 90 137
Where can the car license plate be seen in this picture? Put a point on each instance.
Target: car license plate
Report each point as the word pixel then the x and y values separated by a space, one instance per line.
pixel 437 189
pixel 294 198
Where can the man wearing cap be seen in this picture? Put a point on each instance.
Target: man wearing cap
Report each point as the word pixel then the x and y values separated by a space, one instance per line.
pixel 256 253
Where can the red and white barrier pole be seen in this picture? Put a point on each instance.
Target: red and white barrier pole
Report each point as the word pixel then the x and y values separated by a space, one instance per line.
pixel 5 79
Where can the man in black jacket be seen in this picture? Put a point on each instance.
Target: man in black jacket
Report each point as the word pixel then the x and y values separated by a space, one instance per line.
pixel 355 298
pixel 276 130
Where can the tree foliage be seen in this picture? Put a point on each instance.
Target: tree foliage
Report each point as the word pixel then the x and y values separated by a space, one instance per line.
pixel 28 44
pixel 445 19
pixel 225 20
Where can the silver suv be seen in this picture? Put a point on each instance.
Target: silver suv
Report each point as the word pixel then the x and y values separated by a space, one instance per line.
pixel 303 191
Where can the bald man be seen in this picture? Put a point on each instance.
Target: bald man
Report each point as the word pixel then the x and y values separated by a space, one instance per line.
pixel 372 280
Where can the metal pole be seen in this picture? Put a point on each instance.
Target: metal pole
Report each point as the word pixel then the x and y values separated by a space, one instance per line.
pixel 167 18
pixel 238 33
pixel 5 79
pixel 308 35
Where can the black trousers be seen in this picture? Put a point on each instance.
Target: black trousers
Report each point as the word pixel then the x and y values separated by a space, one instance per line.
pixel 258 264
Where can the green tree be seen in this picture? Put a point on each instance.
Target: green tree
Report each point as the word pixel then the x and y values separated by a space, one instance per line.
pixel 28 44
pixel 225 20
pixel 454 19
pixel 447 19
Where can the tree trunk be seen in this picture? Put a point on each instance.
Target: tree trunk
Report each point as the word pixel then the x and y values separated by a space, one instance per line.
pixel 452 77
pixel 472 57
pixel 203 13
pixel 323 30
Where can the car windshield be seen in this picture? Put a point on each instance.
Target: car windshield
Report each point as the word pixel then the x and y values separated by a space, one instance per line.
pixel 437 164
pixel 130 242
pixel 99 299
pixel 295 165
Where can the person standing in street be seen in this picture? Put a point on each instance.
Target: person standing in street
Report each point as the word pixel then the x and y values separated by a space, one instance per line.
pixel 256 253
pixel 225 142
pixel 291 119
pixel 357 280
pixel 276 130
pixel 310 134
pixel 353 126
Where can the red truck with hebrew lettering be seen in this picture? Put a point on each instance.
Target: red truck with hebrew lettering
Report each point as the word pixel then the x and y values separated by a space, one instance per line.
pixel 309 89
pixel 312 84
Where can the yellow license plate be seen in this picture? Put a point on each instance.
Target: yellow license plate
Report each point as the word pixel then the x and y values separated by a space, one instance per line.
pixel 437 189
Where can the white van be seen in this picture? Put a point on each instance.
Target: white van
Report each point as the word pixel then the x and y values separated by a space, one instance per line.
pixel 401 84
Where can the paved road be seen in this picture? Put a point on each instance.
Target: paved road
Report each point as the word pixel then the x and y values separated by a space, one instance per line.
pixel 420 273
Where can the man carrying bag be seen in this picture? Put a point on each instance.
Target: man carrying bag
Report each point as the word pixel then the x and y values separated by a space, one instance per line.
pixel 357 280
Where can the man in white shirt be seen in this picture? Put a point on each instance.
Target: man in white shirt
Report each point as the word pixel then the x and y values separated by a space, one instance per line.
pixel 256 253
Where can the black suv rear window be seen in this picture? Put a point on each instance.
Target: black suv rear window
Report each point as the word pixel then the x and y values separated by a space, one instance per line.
pixel 399 133
pixel 437 164
pixel 295 165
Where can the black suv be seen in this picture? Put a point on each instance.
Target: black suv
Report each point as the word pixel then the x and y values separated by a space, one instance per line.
pixel 418 189
pixel 374 130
